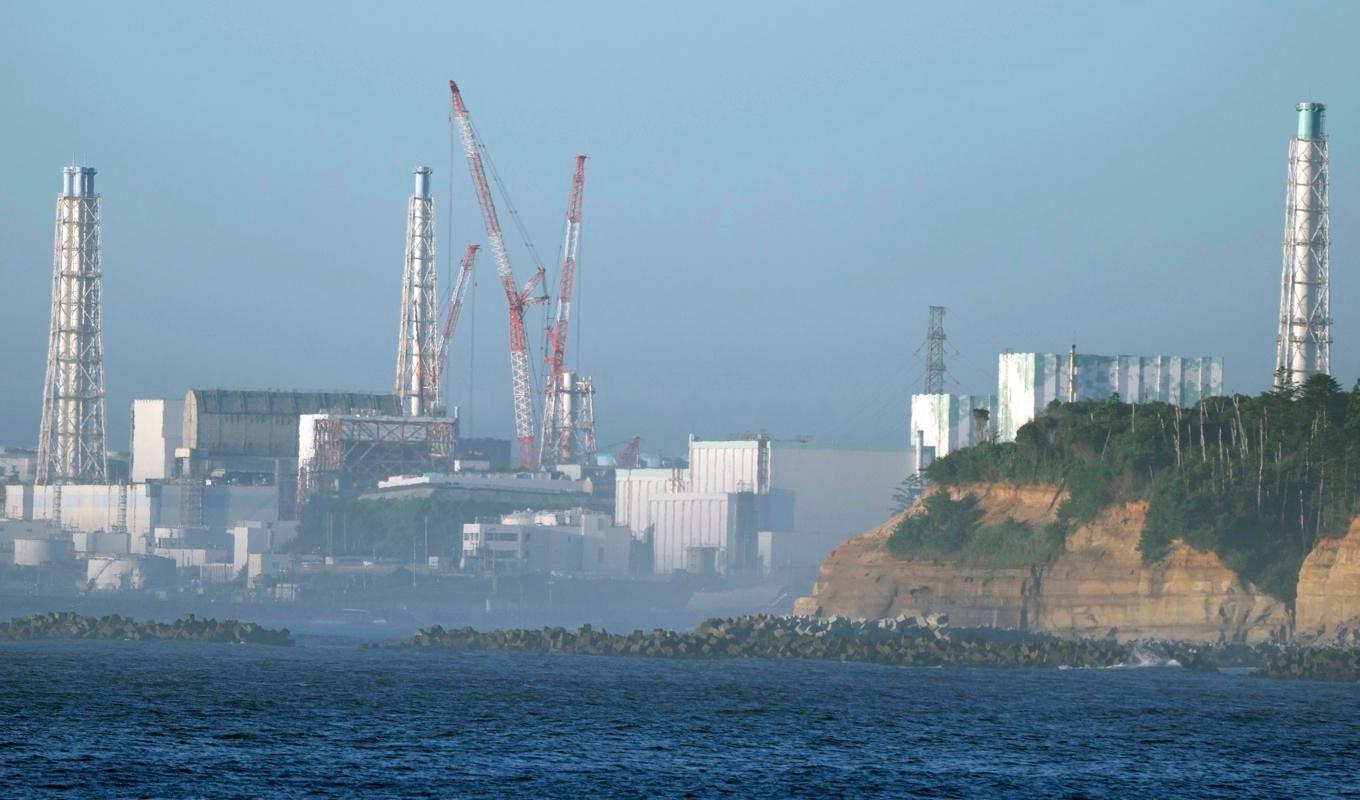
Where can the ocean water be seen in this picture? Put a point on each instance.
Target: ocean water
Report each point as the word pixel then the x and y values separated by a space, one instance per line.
pixel 326 719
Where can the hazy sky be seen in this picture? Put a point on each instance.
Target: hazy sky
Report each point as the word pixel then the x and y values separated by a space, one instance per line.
pixel 775 192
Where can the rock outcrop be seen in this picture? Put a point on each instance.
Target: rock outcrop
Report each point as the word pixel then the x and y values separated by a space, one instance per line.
pixel 1099 587
pixel 1327 608
pixel 70 625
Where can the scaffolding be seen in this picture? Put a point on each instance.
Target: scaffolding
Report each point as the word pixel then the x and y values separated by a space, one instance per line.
pixel 341 454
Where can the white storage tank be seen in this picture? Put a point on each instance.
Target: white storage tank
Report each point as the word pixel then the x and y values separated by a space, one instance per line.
pixel 40 552
pixel 114 573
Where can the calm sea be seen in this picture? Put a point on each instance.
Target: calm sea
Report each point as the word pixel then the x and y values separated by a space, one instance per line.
pixel 136 719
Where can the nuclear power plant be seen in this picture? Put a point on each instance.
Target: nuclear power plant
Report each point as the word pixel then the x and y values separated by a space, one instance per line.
pixel 1305 337
pixel 221 479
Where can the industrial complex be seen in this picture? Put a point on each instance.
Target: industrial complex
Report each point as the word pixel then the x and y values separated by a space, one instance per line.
pixel 223 487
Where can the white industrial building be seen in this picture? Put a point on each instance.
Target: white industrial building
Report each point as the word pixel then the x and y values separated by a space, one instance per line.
pixel 807 497
pixel 947 422
pixel 140 508
pixel 1028 382
pixel 572 541
pixel 257 538
pixel 18 465
pixel 157 432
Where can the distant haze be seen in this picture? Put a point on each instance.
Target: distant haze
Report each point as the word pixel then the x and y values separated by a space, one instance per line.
pixel 775 193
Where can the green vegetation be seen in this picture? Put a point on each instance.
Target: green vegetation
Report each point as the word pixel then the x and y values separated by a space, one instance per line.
pixel 951 530
pixel 1255 479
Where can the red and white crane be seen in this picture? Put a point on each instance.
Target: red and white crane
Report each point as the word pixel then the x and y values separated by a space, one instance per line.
pixel 518 298
pixel 451 314
pixel 555 446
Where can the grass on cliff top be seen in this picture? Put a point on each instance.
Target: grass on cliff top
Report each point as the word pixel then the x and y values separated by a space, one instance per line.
pixel 951 531
pixel 1257 480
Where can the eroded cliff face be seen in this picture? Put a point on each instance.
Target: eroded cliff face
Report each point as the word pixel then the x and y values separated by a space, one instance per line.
pixel 1328 603
pixel 1099 587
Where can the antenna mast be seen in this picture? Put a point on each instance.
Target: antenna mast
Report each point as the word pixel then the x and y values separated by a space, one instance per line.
pixel 935 352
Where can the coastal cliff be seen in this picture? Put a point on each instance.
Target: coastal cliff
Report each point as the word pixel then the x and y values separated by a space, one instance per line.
pixel 1328 604
pixel 1098 587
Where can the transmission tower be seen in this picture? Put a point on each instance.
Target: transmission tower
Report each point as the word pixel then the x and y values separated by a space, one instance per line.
pixel 935 352
pixel 417 382
pixel 71 446
pixel 1305 337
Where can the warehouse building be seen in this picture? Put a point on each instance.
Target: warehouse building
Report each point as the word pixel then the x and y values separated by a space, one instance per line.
pixel 575 541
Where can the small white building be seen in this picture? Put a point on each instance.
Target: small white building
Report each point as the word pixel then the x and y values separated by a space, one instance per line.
pixel 947 422
pixel 252 538
pixel 271 564
pixel 157 430
pixel 100 543
pixel 41 552
pixel 18 464
pixel 573 541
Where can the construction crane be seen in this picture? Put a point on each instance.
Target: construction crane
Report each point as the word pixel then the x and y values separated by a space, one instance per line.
pixel 630 456
pixel 517 298
pixel 555 445
pixel 451 313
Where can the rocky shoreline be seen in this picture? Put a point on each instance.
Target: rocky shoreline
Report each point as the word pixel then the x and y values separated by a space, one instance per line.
pixel 69 625
pixel 906 641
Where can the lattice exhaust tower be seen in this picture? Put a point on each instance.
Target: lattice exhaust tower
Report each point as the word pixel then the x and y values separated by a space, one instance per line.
pixel 417 382
pixel 71 442
pixel 1305 338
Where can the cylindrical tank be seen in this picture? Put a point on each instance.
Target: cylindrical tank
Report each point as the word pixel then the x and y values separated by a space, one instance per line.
pixel 422 181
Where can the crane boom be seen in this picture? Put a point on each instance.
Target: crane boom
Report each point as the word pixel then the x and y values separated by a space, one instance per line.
pixel 451 314
pixel 515 298
pixel 555 442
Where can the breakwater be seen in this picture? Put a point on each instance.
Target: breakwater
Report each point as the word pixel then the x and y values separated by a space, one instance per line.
pixel 1312 663
pixel 906 641
pixel 69 625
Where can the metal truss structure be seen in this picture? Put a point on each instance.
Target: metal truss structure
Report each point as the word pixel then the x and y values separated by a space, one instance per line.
pixel 934 383
pixel 1303 345
pixel 567 438
pixel 417 382
pixel 517 297
pixel 71 439
pixel 352 452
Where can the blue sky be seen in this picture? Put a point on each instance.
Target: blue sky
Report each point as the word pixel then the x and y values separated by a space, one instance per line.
pixel 776 192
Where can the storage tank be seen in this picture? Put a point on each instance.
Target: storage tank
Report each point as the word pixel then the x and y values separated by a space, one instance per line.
pixel 114 573
pixel 40 552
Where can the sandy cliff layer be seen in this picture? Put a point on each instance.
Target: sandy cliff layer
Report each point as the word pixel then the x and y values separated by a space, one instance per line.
pixel 1098 587
pixel 1328 603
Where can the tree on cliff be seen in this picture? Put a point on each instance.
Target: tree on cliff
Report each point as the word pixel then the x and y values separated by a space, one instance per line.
pixel 1255 479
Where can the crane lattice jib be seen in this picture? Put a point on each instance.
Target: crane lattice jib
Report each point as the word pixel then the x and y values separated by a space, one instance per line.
pixel 452 312
pixel 519 344
pixel 554 442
